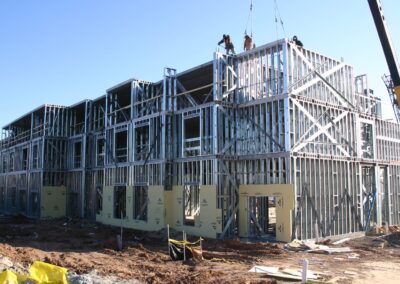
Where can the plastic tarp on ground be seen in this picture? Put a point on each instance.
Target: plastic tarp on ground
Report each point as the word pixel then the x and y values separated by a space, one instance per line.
pixel 46 273
pixel 39 273
pixel 10 277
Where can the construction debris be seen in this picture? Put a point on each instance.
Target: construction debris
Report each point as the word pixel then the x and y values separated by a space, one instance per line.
pixel 376 230
pixel 309 246
pixel 340 241
pixel 297 245
pixel 393 239
pixel 93 277
pixel 286 273
pixel 7 264
pixel 330 250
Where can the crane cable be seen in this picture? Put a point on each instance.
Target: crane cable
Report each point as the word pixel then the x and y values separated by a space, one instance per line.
pixel 250 18
pixel 278 14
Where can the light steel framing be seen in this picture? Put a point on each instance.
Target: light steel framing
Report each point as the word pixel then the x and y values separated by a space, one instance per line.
pixel 277 114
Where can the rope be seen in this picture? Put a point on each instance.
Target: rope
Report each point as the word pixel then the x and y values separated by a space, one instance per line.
pixel 250 18
pixel 278 14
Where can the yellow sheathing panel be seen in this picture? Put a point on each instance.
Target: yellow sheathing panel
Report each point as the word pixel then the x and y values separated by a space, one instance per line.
pixel 53 202
pixel 155 214
pixel 284 194
pixel 209 221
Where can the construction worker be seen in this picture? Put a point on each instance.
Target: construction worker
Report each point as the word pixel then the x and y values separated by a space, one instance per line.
pixel 297 42
pixel 248 43
pixel 228 44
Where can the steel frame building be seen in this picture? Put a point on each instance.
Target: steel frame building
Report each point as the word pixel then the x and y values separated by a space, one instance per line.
pixel 186 148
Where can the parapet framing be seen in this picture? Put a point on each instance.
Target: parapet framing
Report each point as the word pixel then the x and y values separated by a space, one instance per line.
pixel 277 140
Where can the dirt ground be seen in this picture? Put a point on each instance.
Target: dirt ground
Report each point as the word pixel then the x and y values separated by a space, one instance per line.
pixel 83 247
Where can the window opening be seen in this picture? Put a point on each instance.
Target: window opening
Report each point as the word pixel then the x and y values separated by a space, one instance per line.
pixel 142 142
pixel 140 203
pixel 121 146
pixel 77 154
pixel 192 136
pixel 99 199
pixel 119 202
pixel 191 198
pixel 100 152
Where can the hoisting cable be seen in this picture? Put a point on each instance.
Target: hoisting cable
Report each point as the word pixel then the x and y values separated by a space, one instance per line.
pixel 250 18
pixel 278 14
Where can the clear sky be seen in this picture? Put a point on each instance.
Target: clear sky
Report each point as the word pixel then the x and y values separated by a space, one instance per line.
pixel 62 52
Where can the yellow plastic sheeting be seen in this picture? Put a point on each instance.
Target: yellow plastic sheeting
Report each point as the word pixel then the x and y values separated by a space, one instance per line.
pixel 46 273
pixel 10 277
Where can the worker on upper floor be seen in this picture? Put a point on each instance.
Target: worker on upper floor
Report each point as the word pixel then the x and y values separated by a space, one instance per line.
pixel 297 42
pixel 226 39
pixel 248 43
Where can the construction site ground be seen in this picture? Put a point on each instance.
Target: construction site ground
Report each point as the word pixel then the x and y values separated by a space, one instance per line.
pixel 90 248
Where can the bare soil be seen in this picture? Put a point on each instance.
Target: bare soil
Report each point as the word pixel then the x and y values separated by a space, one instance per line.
pixel 83 247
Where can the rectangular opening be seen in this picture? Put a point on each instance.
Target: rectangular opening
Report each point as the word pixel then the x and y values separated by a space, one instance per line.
pixel 121 146
pixel 34 204
pixel 191 136
pixel 99 199
pixel 11 164
pixel 119 202
pixel 140 203
pixel 384 188
pixel 271 228
pixel 369 196
pixel 98 115
pixel 262 216
pixel 191 205
pixel 13 197
pixel 367 143
pixel 25 159
pixel 100 152
pixel 142 142
pixel 4 164
pixel 77 154
pixel 2 199
pixel 35 157
pixel 120 99
pixel 73 207
pixel 78 115
pixel 22 201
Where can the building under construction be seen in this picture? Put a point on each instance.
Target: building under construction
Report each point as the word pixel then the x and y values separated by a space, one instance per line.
pixel 278 140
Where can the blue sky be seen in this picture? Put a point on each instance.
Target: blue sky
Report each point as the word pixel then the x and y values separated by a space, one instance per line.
pixel 61 52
